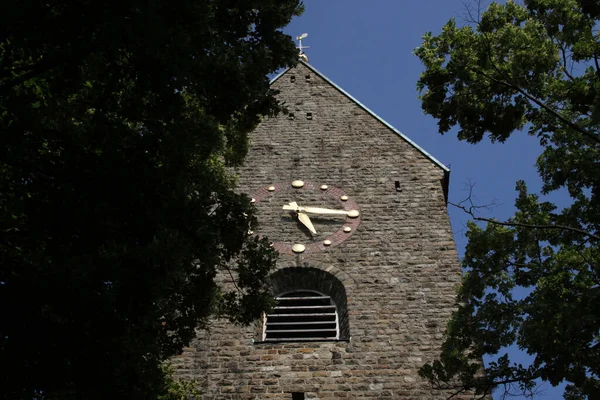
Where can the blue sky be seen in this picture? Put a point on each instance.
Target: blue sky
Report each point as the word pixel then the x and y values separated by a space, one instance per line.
pixel 367 49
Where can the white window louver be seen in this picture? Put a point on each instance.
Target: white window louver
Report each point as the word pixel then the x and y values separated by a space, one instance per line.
pixel 302 316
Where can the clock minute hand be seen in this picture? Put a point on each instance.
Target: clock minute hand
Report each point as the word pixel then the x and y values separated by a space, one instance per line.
pixel 318 210
pixel 293 206
pixel 314 210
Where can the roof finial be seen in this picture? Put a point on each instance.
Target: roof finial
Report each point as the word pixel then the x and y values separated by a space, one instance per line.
pixel 301 48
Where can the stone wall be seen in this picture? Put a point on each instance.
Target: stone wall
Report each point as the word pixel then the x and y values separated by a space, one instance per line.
pixel 399 268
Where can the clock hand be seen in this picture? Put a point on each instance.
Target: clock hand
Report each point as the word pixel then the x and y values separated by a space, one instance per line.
pixel 306 221
pixel 302 217
pixel 293 206
pixel 318 210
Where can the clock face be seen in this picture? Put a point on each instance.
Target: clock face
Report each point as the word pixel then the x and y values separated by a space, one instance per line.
pixel 305 217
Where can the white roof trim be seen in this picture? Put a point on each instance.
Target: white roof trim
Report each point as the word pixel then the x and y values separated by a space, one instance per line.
pixel 406 138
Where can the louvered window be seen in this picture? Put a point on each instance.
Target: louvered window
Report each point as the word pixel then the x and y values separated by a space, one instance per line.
pixel 302 316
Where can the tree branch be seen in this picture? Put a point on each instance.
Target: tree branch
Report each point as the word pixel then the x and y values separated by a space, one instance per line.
pixel 233 280
pixel 458 392
pixel 541 104
pixel 565 70
pixel 472 17
pixel 21 69
pixel 519 224
pixel 486 387
pixel 538 102
pixel 37 70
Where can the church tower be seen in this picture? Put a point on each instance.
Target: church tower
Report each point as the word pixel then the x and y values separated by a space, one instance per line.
pixel 367 271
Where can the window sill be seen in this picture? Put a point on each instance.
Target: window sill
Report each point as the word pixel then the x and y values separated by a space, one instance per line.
pixel 271 341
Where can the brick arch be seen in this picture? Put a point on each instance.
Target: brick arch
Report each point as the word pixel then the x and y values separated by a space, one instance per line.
pixel 348 282
pixel 289 279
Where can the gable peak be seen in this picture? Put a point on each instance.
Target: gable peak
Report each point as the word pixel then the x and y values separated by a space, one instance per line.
pixel 305 64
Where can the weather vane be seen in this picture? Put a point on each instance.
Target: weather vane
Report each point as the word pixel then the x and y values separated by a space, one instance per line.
pixel 301 48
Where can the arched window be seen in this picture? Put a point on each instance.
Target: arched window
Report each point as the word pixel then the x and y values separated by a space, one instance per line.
pixel 302 315
pixel 311 306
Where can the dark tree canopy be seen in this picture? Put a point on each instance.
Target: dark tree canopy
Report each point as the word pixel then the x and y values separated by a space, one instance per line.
pixel 118 122
pixel 532 66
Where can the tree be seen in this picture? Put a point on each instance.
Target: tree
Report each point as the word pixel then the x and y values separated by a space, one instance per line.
pixel 179 388
pixel 119 122
pixel 526 67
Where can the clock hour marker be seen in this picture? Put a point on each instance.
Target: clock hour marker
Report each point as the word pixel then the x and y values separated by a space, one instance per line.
pixel 298 248
pixel 271 188
pixel 344 198
pixel 353 213
pixel 253 200
pixel 324 187
pixel 347 229
pixel 297 184
pixel 327 242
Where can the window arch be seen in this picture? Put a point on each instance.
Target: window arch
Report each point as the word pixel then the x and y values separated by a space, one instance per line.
pixel 302 315
pixel 311 306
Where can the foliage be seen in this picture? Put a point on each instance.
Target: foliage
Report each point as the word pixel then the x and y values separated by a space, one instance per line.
pixel 534 67
pixel 179 388
pixel 118 121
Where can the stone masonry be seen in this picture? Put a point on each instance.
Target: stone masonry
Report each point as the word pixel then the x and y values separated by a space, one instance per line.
pixel 395 277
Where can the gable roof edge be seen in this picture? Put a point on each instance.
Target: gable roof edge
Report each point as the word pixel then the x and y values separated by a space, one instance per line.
pixel 384 122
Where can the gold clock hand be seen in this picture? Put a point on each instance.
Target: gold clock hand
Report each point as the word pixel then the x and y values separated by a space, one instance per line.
pixel 306 221
pixel 318 210
pixel 328 211
pixel 302 217
pixel 291 206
